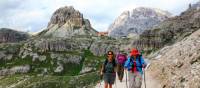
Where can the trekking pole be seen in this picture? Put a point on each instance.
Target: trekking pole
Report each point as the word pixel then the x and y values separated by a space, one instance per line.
pixel 115 84
pixel 100 84
pixel 126 80
pixel 144 78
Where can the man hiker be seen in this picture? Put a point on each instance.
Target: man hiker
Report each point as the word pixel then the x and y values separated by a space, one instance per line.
pixel 108 70
pixel 134 65
pixel 121 58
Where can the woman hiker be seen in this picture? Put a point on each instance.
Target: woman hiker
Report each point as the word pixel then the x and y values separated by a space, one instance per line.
pixel 134 65
pixel 121 58
pixel 108 70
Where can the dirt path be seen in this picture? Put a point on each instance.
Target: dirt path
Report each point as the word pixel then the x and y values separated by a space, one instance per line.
pixel 150 82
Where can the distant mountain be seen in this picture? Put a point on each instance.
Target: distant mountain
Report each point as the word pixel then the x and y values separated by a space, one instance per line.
pixel 136 21
pixel 10 35
pixel 68 22
pixel 170 31
pixel 195 6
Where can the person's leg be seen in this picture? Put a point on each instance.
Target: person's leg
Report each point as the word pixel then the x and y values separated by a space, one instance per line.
pixel 110 85
pixel 122 72
pixel 138 80
pixel 131 79
pixel 106 79
pixel 105 85
pixel 118 71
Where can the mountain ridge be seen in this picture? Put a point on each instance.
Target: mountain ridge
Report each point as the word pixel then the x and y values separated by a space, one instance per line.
pixel 136 21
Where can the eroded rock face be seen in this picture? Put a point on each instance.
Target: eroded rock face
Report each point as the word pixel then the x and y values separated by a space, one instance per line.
pixel 136 21
pixel 44 45
pixel 170 31
pixel 9 35
pixel 67 22
pixel 14 70
pixel 100 48
pixel 178 66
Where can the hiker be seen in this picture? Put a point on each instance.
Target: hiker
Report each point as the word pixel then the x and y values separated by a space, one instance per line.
pixel 134 65
pixel 121 58
pixel 109 70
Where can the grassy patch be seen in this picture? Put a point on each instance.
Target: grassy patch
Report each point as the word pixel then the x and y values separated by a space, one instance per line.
pixel 26 81
pixel 92 60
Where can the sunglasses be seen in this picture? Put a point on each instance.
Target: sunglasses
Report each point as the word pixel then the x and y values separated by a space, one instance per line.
pixel 110 54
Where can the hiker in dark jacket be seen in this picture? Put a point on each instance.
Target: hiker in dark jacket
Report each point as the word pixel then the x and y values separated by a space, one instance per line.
pixel 109 70
pixel 134 65
pixel 121 58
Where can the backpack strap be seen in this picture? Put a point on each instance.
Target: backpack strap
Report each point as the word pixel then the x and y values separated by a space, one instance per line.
pixel 139 57
pixel 105 63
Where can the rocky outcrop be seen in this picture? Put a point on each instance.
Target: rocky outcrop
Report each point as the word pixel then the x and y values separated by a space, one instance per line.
pixel 99 48
pixel 67 22
pixel 178 66
pixel 59 44
pixel 170 31
pixel 10 35
pixel 136 21
pixel 14 70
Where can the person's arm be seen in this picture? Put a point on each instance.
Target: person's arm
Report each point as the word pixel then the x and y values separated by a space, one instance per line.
pixel 101 71
pixel 127 63
pixel 102 67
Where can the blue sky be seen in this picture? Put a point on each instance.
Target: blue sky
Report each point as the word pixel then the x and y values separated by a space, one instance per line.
pixel 34 15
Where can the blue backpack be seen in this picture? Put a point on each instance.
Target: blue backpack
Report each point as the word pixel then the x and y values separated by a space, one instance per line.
pixel 129 64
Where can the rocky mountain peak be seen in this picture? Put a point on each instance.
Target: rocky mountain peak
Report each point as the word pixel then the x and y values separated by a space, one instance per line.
pixel 65 14
pixel 150 12
pixel 67 22
pixel 136 21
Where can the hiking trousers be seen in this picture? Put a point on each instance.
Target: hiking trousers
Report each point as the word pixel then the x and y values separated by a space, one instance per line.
pixel 120 71
pixel 135 80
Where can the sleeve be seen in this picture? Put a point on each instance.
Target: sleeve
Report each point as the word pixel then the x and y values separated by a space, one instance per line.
pixel 127 63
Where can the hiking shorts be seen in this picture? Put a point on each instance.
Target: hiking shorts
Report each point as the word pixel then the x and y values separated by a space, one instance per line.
pixel 109 78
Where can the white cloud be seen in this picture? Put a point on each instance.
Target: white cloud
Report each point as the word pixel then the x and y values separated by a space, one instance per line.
pixel 33 15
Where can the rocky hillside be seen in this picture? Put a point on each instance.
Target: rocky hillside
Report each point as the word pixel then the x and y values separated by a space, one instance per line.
pixel 136 21
pixel 169 31
pixel 65 55
pixel 67 22
pixel 178 65
pixel 10 35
